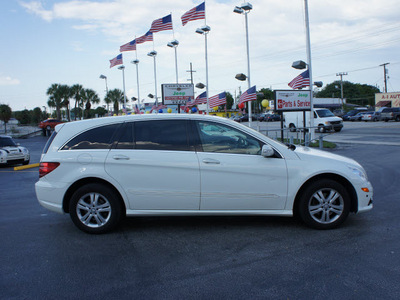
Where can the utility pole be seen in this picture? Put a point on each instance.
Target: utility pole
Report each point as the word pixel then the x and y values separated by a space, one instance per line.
pixel 341 74
pixel 191 73
pixel 385 74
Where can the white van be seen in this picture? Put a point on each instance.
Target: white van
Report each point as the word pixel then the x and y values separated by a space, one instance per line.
pixel 324 120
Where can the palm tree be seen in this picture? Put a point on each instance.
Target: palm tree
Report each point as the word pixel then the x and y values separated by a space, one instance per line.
pixel 5 115
pixel 65 94
pixel 78 94
pixel 55 99
pixel 115 96
pixel 90 96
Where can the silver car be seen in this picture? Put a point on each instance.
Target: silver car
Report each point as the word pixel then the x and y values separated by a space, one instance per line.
pixel 12 153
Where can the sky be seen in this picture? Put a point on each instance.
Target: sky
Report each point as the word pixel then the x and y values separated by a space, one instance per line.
pixel 70 42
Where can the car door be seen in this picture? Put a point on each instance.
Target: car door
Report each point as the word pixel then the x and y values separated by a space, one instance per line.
pixel 234 175
pixel 156 166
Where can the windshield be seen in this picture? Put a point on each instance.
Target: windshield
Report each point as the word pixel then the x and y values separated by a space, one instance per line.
pixel 325 113
pixel 7 142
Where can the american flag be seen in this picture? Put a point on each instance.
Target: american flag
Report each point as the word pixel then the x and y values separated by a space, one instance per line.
pixel 191 103
pixel 196 13
pixel 116 61
pixel 202 98
pixel 137 110
pixel 217 100
pixel 131 46
pixel 148 37
pixel 160 106
pixel 161 24
pixel 249 95
pixel 300 81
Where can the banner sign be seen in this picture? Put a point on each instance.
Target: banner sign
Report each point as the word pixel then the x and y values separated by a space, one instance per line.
pixel 179 93
pixel 292 100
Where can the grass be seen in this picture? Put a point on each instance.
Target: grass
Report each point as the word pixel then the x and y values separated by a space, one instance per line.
pixel 314 144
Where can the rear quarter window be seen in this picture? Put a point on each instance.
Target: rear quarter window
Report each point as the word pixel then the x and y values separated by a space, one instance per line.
pixel 96 138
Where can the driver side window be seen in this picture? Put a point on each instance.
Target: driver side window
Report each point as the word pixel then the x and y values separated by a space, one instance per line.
pixel 220 138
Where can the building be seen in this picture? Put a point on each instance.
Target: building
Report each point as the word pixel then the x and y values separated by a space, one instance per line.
pixel 387 100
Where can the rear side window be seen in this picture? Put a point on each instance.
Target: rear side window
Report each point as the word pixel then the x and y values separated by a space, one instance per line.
pixel 49 141
pixel 161 135
pixel 96 138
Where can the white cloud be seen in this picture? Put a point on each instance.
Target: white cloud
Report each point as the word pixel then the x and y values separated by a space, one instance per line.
pixel 7 80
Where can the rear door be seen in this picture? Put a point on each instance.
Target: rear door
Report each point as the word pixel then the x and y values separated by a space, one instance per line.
pixel 156 166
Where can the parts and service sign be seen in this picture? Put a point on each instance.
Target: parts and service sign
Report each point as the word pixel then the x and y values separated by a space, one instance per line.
pixel 292 100
pixel 177 93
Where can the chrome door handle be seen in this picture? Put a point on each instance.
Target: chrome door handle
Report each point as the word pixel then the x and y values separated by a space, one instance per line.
pixel 211 161
pixel 120 157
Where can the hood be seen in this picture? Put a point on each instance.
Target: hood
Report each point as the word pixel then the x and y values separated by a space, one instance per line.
pixel 309 154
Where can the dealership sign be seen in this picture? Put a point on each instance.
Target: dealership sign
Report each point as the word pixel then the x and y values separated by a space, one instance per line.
pixel 292 100
pixel 173 94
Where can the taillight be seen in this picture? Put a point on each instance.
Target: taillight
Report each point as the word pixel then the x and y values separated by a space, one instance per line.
pixel 47 167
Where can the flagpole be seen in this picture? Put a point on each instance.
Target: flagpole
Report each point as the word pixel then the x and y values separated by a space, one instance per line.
pixel 248 65
pixel 308 43
pixel 136 62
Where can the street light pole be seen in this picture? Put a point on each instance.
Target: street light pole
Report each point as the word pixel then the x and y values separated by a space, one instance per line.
pixel 154 54
pixel 205 30
pixel 136 62
pixel 174 44
pixel 123 82
pixel 245 9
pixel 105 78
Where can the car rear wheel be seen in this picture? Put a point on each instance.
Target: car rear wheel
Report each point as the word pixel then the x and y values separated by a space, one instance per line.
pixel 324 204
pixel 95 208
pixel 292 128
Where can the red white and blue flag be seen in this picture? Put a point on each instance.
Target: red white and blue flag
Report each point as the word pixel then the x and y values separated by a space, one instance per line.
pixel 202 98
pixel 116 61
pixel 161 24
pixel 196 13
pixel 300 81
pixel 137 110
pixel 217 100
pixel 131 46
pixel 148 37
pixel 158 107
pixel 249 95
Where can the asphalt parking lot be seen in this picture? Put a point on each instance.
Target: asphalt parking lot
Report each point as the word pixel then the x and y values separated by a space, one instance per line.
pixel 44 256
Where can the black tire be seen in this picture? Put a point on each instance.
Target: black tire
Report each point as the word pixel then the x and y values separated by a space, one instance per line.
pixel 95 208
pixel 321 128
pixel 292 128
pixel 48 128
pixel 397 119
pixel 338 129
pixel 325 204
pixel 26 163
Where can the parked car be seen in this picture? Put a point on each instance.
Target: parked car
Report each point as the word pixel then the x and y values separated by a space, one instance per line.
pixel 101 170
pixel 371 116
pixel 12 153
pixel 269 117
pixel 49 124
pixel 392 113
pixel 358 116
pixel 346 117
pixel 245 118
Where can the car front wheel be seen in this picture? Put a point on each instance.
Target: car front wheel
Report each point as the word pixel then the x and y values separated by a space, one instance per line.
pixel 95 208
pixel 324 204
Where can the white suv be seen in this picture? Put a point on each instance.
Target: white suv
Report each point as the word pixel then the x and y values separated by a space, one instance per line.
pixel 100 170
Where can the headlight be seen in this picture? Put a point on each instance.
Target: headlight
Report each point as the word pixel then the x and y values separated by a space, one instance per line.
pixel 24 150
pixel 2 153
pixel 359 172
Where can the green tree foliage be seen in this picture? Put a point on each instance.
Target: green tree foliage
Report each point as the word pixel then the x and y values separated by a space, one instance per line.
pixel 354 93
pixel 5 115
pixel 90 97
pixel 115 96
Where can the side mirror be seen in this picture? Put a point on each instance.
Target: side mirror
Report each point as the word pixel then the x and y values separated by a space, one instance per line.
pixel 267 151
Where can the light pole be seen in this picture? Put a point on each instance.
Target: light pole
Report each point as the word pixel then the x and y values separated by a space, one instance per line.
pixel 341 74
pixel 136 63
pixel 123 82
pixel 204 31
pixel 153 54
pixel 245 8
pixel 105 78
pixel 174 44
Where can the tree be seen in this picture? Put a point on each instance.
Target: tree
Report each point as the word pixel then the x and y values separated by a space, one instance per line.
pixel 5 115
pixel 77 92
pixel 36 116
pixel 115 96
pixel 354 93
pixel 55 98
pixel 90 96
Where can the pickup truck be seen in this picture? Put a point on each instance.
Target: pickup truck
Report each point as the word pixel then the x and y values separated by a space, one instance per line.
pixel 392 113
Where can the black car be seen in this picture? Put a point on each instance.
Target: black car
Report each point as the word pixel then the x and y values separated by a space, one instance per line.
pixel 245 118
